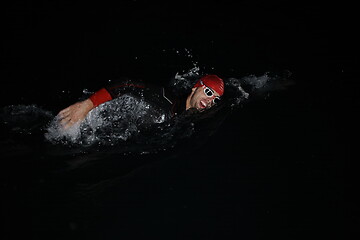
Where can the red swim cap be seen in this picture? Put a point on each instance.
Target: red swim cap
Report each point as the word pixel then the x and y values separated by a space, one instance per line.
pixel 212 81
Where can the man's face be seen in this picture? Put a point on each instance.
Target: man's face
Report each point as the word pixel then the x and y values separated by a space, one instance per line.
pixel 199 100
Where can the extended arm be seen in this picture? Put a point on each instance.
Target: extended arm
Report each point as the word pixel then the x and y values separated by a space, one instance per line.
pixel 78 111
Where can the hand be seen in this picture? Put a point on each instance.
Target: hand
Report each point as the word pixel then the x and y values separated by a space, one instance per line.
pixel 75 113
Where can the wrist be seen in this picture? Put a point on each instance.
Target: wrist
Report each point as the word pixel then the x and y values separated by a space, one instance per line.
pixel 88 104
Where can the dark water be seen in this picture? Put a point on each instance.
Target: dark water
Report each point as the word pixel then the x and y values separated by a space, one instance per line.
pixel 273 167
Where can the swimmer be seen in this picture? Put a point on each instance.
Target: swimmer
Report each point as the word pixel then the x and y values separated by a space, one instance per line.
pixel 205 94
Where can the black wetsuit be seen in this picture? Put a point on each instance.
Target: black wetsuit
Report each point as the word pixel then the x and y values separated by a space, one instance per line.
pixel 162 99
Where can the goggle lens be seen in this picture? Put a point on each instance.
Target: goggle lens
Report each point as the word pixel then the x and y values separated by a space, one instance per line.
pixel 216 100
pixel 209 93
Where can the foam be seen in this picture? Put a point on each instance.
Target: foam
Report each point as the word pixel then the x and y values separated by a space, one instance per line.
pixel 109 123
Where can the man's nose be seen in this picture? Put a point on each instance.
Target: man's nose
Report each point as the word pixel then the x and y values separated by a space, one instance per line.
pixel 212 97
pixel 210 100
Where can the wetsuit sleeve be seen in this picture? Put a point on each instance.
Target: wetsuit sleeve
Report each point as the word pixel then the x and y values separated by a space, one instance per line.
pixel 114 90
pixel 100 97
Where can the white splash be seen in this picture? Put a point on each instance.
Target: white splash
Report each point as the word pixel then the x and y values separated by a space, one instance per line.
pixel 257 82
pixel 109 123
pixel 185 80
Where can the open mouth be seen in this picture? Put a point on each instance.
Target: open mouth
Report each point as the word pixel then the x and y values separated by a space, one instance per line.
pixel 203 104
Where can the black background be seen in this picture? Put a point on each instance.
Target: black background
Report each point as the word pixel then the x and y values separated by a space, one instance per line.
pixel 277 169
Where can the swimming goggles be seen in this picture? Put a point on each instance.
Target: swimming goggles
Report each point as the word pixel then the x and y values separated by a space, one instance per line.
pixel 209 93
